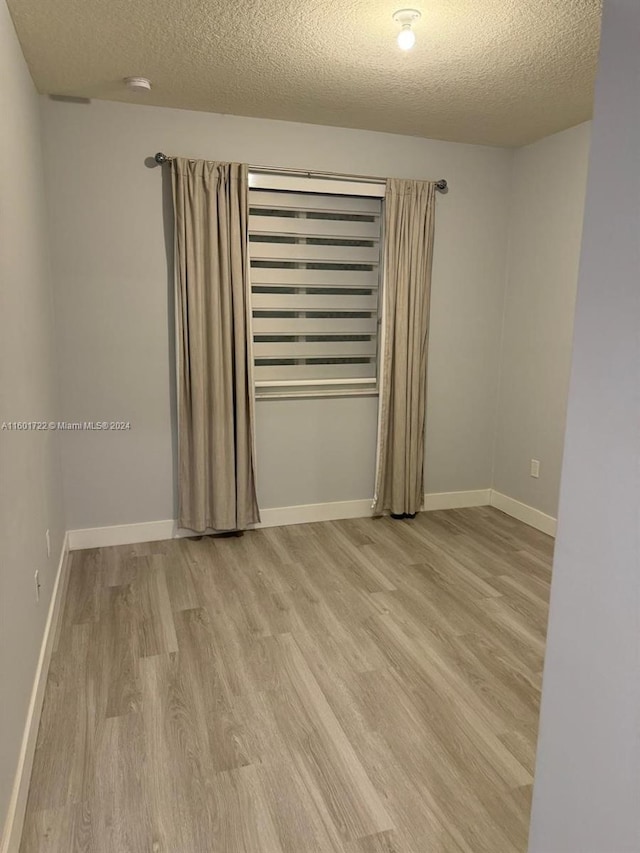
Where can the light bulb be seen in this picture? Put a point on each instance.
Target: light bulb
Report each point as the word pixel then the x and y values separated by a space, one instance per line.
pixel 406 38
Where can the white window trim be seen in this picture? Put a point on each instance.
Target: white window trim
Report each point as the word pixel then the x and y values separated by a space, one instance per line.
pixel 290 388
pixel 301 184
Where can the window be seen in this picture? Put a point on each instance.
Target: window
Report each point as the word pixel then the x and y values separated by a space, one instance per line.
pixel 315 256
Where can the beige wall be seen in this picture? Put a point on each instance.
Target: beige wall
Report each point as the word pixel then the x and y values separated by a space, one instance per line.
pixel 29 477
pixel 111 277
pixel 546 209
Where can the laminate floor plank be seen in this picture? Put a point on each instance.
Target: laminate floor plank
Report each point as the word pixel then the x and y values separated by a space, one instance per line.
pixel 51 830
pixel 179 573
pixel 357 686
pixel 82 602
pixel 382 842
pixel 353 701
pixel 452 774
pixel 60 749
pixel 115 638
pixel 322 749
pixel 114 814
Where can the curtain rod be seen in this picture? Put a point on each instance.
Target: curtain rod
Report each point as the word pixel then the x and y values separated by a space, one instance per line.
pixel 441 185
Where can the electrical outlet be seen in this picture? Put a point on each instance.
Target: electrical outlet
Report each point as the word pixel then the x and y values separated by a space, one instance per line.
pixel 535 468
pixel 37 580
pixel 48 538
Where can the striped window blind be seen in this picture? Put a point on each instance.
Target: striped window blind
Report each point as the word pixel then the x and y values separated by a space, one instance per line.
pixel 314 282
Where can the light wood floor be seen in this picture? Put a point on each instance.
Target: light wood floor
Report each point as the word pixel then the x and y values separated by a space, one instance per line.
pixel 365 686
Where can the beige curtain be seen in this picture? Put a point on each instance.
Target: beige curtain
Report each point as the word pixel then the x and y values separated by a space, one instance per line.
pixel 216 457
pixel 408 250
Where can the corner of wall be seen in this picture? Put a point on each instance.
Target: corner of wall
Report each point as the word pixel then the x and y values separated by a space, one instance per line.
pixel 505 274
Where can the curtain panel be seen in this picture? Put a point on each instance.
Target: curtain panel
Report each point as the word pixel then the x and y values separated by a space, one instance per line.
pixel 216 447
pixel 408 253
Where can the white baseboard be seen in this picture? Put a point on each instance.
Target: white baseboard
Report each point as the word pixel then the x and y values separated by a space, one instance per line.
pixel 524 512
pixel 17 804
pixel 306 513
pixel 154 531
pixel 122 534
pixel 336 510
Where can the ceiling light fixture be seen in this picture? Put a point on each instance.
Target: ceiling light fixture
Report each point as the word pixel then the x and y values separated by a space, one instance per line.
pixel 406 36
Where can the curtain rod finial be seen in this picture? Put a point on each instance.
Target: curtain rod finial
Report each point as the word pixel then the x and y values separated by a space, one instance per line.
pixel 442 185
pixel 161 158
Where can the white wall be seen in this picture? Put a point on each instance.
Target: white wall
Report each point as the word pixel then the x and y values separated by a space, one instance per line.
pixel 112 297
pixel 546 211
pixel 29 470
pixel 587 785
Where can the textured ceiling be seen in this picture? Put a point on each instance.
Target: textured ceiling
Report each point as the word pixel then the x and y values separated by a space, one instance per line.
pixel 501 72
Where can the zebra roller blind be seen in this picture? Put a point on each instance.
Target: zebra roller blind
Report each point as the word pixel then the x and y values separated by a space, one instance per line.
pixel 315 261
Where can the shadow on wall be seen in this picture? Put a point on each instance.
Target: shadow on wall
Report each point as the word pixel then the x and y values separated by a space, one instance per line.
pixel 167 221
